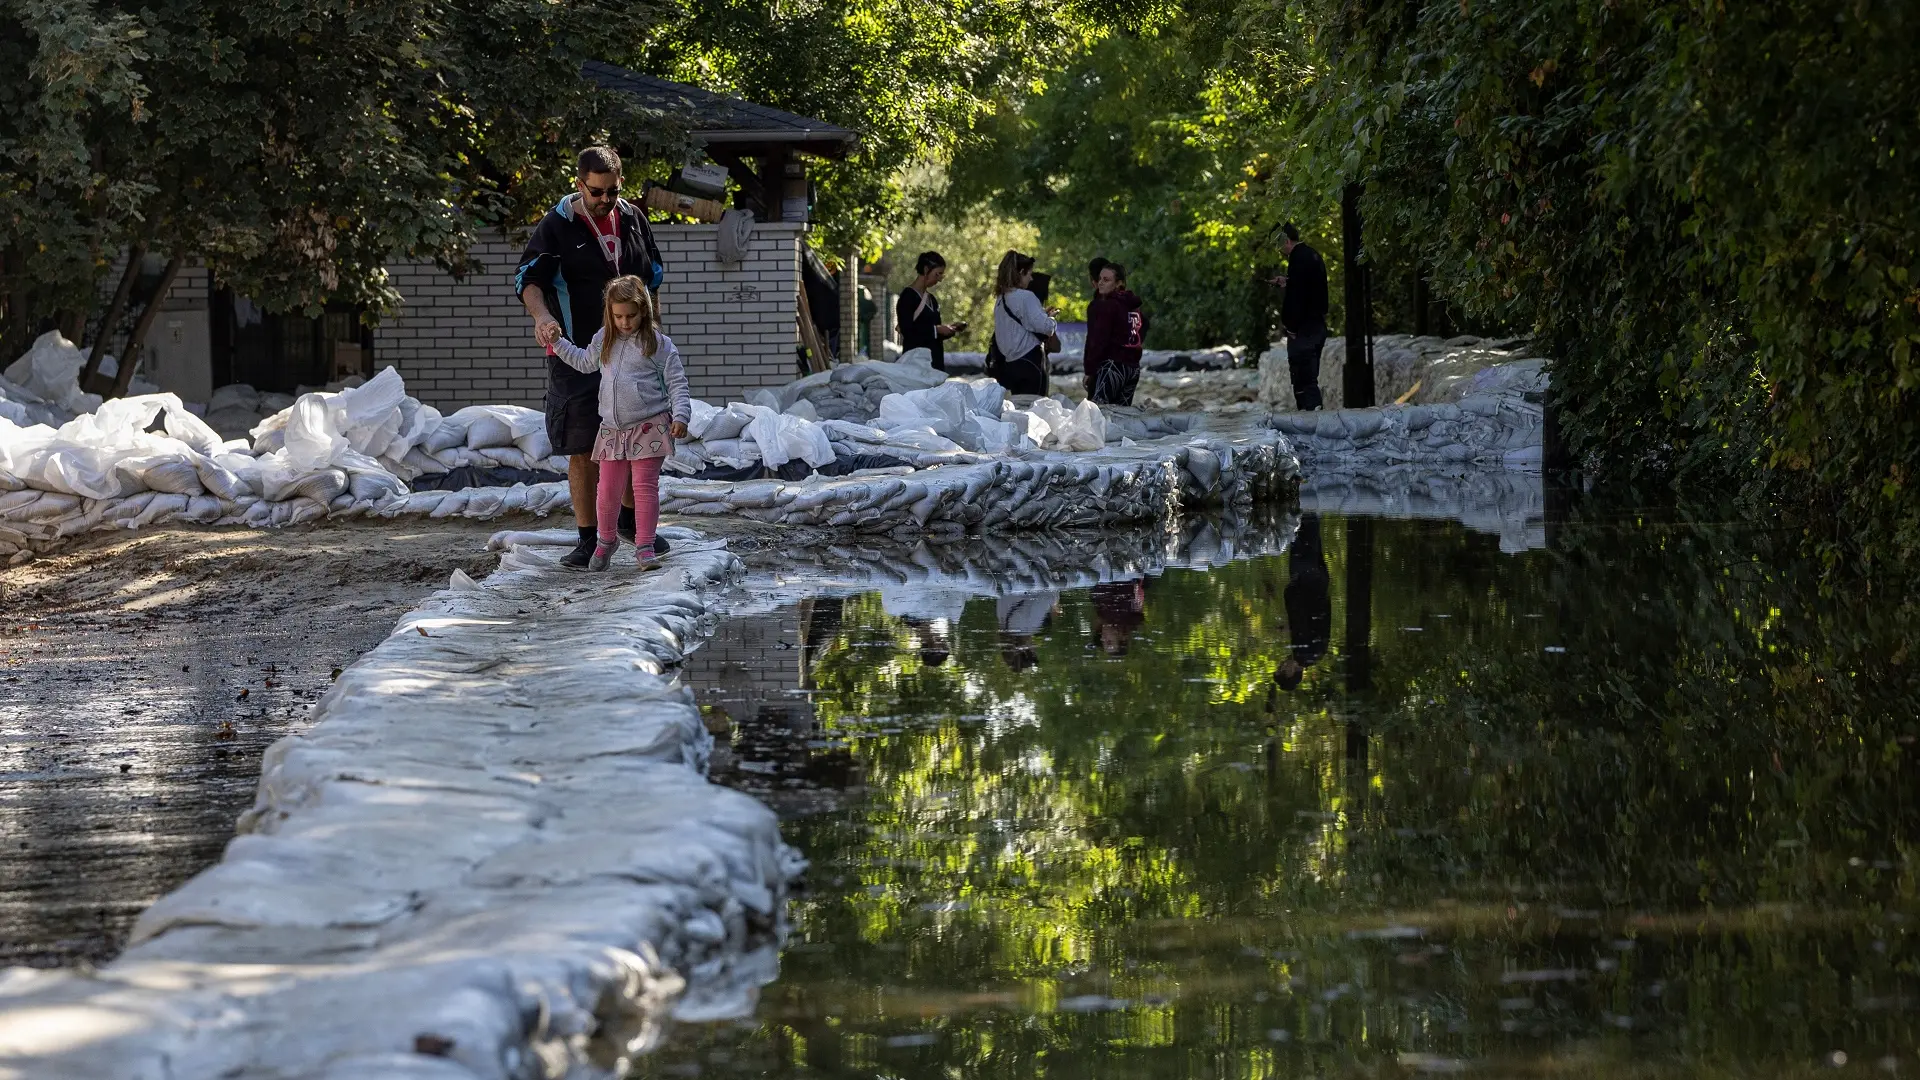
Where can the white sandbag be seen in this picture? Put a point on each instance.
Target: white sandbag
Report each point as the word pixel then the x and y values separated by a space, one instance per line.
pixel 234 396
pixel 783 438
pixel 1085 429
pixel 451 432
pixel 536 446
pixel 499 425
pixel 173 473
pixel 1029 424
pixel 700 417
pixel 51 369
pixel 728 423
pixel 309 438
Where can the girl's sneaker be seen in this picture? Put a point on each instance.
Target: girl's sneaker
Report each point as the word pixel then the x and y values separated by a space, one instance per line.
pixel 602 556
pixel 646 558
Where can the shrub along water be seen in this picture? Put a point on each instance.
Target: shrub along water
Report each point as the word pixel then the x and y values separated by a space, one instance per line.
pixel 1707 212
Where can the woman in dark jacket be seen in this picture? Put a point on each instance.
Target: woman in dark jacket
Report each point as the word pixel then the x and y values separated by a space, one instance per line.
pixel 918 312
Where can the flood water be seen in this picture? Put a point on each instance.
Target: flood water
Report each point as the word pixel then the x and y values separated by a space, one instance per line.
pixel 1640 803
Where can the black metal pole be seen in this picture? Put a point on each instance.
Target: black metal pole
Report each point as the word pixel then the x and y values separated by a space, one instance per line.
pixel 1356 383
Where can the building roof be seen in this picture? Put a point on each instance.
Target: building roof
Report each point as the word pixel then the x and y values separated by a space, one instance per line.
pixel 722 120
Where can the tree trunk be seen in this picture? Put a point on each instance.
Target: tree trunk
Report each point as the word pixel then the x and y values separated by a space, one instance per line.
pixel 1357 388
pixel 115 308
pixel 136 340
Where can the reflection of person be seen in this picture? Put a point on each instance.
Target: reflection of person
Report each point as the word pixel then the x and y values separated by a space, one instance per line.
pixel 590 238
pixel 1303 316
pixel 644 405
pixel 1119 607
pixel 917 313
pixel 1309 609
pixel 932 636
pixel 1021 616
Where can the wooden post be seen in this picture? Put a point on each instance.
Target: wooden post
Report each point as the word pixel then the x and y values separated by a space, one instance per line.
pixel 817 358
pixel 138 339
pixel 1357 381
pixel 850 306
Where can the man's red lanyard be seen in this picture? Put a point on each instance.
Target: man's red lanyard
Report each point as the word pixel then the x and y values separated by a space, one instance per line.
pixel 608 240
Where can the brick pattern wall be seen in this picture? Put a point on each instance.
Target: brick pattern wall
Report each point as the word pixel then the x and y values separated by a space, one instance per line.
pixel 469 342
pixel 735 325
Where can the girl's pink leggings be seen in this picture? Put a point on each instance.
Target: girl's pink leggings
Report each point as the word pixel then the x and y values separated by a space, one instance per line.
pixel 646 498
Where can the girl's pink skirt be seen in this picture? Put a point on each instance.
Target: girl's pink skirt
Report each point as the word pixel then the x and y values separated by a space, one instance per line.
pixel 650 438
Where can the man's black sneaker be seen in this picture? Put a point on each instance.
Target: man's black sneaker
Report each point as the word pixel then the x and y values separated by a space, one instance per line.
pixel 579 557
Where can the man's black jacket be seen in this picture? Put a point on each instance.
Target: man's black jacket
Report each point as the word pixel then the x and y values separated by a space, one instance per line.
pixel 564 259
pixel 1304 308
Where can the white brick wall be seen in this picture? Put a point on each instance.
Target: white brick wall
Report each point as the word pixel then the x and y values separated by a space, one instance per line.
pixel 470 343
pixel 734 324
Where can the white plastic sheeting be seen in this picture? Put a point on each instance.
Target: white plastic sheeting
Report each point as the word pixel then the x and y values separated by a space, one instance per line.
pixel 494 856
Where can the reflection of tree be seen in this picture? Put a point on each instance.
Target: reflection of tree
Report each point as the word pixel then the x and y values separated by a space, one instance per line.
pixel 1649 790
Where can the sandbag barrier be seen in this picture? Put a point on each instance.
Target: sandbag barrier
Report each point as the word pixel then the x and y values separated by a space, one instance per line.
pixel 495 855
pixel 1036 490
pixel 933 573
pixel 1500 422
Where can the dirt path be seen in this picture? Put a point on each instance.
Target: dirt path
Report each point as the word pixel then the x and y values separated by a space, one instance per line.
pixel 141 676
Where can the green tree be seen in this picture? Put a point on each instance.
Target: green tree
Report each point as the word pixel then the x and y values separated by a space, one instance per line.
pixel 1706 212
pixel 916 80
pixel 295 149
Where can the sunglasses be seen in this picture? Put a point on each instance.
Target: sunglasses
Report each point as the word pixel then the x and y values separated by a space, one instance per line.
pixel 599 192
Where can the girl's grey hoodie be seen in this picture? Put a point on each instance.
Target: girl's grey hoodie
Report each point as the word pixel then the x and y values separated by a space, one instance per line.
pixel 633 385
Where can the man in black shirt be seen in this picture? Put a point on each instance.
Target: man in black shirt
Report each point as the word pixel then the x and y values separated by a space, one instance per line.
pixel 1303 316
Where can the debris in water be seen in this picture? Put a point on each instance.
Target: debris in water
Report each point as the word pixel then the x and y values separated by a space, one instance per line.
pixel 1432 1063
pixel 1087 1003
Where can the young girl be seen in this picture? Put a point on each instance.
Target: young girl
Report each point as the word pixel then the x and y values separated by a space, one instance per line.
pixel 644 406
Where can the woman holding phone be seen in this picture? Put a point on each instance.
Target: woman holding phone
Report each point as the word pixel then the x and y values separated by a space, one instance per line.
pixel 1020 327
pixel 918 312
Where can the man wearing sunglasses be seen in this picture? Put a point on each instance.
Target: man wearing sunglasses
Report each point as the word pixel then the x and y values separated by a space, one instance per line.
pixel 591 237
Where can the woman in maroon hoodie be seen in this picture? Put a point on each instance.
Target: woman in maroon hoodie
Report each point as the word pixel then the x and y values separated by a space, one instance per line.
pixel 1115 328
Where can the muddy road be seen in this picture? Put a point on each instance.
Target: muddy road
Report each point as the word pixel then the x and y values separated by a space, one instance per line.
pixel 142 675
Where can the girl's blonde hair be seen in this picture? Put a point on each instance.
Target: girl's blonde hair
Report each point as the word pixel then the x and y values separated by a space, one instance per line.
pixel 629 290
pixel 1012 265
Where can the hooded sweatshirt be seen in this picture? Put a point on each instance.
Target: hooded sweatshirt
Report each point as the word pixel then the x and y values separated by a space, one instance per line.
pixel 633 385
pixel 1115 326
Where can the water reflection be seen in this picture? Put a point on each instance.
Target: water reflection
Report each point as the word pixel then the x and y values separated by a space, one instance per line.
pixel 1641 804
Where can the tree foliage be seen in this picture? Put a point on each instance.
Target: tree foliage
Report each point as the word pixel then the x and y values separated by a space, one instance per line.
pixel 294 148
pixel 1157 149
pixel 1706 211
pixel 914 79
